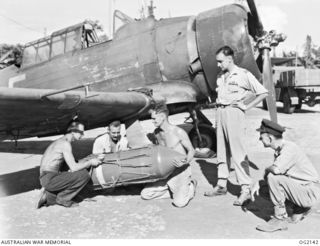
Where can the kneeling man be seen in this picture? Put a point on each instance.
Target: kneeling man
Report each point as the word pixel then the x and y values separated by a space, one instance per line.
pixel 179 184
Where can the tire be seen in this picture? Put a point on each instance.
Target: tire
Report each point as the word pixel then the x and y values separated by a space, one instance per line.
pixel 208 135
pixel 299 106
pixel 264 104
pixel 287 107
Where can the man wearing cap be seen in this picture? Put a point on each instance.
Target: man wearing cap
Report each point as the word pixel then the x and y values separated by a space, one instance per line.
pixel 235 87
pixel 291 177
pixel 112 141
pixel 60 187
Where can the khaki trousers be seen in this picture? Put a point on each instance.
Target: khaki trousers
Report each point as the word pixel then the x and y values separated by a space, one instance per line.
pixel 282 187
pixel 178 185
pixel 230 143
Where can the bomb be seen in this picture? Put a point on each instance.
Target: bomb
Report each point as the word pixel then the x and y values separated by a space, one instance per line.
pixel 144 165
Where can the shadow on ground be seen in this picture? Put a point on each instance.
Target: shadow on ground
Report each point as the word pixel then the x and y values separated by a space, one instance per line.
pixel 210 172
pixel 262 207
pixel 81 148
pixel 19 182
pixel 302 111
pixel 25 147
pixel 27 180
pixel 89 192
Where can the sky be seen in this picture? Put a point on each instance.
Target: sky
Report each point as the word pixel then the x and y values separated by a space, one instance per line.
pixel 22 21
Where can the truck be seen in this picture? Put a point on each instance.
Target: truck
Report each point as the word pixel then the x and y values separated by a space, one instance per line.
pixel 295 86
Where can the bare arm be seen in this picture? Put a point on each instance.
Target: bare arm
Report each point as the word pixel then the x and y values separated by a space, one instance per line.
pixel 258 89
pixel 254 102
pixel 72 164
pixel 272 169
pixel 255 185
pixel 257 100
pixel 186 143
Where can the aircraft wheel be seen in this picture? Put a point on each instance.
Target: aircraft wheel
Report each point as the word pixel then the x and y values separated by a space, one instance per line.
pixel 264 104
pixel 208 135
pixel 287 107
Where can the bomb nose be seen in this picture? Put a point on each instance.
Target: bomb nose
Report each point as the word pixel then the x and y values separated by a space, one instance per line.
pixel 165 156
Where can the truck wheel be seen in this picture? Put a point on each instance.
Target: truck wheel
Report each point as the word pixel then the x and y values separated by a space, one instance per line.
pixel 287 107
pixel 208 135
pixel 298 106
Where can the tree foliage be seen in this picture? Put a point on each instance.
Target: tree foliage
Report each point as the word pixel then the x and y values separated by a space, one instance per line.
pixel 310 57
pixel 10 54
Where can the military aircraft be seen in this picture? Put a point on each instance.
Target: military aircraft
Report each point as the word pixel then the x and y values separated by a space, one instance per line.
pixel 72 74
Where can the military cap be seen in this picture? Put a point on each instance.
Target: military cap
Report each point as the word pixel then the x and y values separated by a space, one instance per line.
pixel 76 127
pixel 268 126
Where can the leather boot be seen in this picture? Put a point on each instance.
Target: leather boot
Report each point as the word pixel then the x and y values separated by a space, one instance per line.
pixel 217 191
pixel 273 225
pixel 299 214
pixel 243 198
pixel 43 198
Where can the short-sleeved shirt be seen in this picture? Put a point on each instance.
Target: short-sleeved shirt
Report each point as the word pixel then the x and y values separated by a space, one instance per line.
pixel 104 144
pixel 293 162
pixel 238 86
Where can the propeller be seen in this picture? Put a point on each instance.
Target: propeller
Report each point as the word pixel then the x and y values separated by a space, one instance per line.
pixel 255 24
pixel 264 41
pixel 268 84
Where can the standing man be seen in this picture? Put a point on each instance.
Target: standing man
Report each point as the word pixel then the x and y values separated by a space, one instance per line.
pixel 235 85
pixel 291 177
pixel 60 187
pixel 112 141
pixel 179 184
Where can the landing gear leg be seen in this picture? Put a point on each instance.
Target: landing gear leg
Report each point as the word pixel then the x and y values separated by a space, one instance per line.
pixel 195 120
pixel 15 138
pixel 202 135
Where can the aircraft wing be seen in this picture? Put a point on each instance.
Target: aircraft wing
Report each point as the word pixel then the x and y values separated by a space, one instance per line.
pixel 26 112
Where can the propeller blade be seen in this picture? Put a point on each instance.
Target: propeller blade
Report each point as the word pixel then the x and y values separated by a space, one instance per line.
pixel 268 84
pixel 255 24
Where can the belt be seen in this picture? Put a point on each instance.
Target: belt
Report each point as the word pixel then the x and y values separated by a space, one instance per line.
pixel 218 105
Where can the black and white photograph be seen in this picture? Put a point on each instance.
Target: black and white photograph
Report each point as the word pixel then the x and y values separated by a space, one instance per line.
pixel 159 119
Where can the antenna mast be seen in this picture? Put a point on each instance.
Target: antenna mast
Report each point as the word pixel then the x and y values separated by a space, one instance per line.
pixel 150 9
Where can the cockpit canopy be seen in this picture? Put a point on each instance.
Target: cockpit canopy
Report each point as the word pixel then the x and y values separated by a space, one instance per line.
pixel 80 36
pixel 70 39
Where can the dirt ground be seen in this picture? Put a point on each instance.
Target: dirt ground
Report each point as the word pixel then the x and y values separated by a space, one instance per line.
pixel 122 214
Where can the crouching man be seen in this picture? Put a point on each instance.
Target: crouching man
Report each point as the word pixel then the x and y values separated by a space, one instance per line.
pixel 60 187
pixel 291 177
pixel 179 185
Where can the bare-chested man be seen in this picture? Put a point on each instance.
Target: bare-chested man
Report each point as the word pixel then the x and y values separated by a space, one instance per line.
pixel 180 184
pixel 60 187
